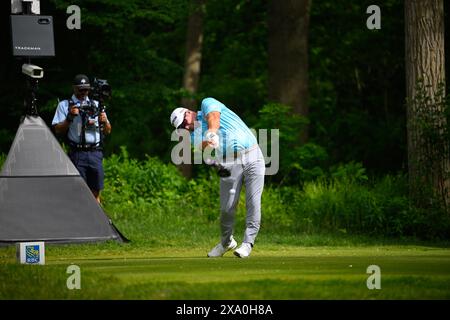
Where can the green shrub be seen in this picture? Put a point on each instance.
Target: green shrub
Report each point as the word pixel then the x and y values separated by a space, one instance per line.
pixel 298 163
pixel 352 172
pixel 150 200
pixel 2 159
pixel 149 181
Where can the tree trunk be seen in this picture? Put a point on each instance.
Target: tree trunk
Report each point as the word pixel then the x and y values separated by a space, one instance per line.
pixel 428 155
pixel 194 40
pixel 288 55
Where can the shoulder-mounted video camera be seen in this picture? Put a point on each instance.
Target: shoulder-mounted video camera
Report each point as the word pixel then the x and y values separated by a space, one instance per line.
pixel 100 90
pixel 89 108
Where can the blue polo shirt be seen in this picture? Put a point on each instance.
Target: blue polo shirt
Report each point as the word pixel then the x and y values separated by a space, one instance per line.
pixel 234 135
pixel 92 132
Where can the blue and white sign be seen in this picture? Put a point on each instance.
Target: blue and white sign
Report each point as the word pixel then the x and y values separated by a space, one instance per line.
pixel 31 252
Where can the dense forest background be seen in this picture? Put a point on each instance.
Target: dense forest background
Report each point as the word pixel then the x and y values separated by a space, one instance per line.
pixel 356 75
pixel 357 112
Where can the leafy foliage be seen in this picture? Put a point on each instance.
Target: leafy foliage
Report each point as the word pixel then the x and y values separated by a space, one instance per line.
pixel 343 205
pixel 131 181
pixel 145 194
pixel 356 102
pixel 297 162
pixel 352 172
pixel 2 159
pixel 356 75
pixel 356 81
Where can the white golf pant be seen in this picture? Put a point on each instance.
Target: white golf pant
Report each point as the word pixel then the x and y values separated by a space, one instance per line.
pixel 247 167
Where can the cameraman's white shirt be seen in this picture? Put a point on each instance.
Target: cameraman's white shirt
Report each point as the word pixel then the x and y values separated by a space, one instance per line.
pixel 92 133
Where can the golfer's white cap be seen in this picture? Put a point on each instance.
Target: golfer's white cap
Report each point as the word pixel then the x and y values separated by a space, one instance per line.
pixel 177 116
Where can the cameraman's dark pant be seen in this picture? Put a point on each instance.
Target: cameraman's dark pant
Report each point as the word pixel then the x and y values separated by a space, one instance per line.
pixel 90 165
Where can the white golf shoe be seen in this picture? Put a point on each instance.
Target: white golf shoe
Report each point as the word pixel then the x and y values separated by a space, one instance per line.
pixel 220 250
pixel 244 250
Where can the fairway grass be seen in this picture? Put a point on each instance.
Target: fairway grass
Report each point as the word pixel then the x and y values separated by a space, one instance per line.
pixel 113 271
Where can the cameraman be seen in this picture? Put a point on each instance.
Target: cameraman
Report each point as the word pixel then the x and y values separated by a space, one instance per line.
pixel 83 125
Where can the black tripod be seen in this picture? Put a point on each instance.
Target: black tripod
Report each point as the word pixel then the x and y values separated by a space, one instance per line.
pixel 30 98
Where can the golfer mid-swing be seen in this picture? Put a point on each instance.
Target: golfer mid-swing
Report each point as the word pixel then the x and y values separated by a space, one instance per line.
pixel 218 127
